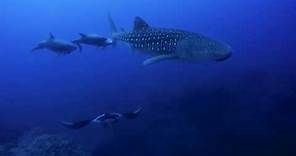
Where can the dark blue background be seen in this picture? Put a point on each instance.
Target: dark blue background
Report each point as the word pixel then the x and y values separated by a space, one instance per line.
pixel 243 106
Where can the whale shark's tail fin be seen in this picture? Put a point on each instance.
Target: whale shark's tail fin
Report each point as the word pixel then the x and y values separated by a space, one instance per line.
pixel 113 28
pixel 76 125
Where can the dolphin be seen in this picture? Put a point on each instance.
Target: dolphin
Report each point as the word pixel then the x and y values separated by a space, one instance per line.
pixel 92 39
pixel 56 45
pixel 170 44
pixel 105 119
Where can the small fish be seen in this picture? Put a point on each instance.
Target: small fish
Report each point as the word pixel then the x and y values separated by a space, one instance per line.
pixel 56 45
pixel 170 44
pixel 92 39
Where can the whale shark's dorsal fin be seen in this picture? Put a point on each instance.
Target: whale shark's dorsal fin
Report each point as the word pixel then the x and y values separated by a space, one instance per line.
pixel 140 24
pixel 51 36
pixel 122 30
pixel 82 34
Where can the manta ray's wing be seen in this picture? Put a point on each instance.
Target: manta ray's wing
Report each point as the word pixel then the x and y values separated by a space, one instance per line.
pixel 132 115
pixel 76 125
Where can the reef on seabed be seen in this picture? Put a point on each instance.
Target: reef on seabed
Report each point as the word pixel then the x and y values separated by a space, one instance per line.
pixel 36 143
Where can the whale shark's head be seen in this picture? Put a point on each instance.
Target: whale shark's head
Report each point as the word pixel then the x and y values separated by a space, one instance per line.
pixel 198 47
pixel 43 43
pixel 220 52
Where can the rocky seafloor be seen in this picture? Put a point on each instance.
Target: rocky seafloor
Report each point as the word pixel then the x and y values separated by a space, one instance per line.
pixel 37 143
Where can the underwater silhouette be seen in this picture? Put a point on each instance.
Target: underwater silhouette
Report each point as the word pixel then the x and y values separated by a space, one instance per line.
pixel 171 44
pixel 56 45
pixel 106 119
pixel 92 39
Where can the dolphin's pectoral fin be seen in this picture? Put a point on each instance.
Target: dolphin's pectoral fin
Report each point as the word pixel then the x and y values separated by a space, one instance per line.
pixel 159 58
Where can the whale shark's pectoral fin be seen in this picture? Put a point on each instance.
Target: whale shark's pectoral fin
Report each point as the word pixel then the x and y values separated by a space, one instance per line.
pixel 159 58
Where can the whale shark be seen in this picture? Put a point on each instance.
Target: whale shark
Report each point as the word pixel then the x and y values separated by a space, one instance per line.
pixel 170 44
pixel 92 39
pixel 56 45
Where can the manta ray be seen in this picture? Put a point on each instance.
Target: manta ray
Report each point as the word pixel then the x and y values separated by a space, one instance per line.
pixel 105 119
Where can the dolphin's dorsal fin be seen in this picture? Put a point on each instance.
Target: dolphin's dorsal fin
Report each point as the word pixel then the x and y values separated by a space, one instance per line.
pixel 140 24
pixel 51 36
pixel 82 34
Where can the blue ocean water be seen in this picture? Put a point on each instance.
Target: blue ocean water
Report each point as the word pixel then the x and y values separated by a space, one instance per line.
pixel 242 106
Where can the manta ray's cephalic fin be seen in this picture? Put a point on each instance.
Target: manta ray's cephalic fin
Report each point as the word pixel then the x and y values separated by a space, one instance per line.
pixel 134 114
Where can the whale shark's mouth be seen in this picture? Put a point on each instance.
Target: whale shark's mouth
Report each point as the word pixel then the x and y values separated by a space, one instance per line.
pixel 224 58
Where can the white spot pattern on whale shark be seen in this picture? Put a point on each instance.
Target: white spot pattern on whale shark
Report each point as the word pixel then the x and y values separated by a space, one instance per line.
pixel 157 40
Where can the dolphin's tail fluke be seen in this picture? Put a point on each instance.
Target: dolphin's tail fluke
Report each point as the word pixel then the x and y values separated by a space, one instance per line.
pixel 76 125
pixel 134 114
pixel 78 44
